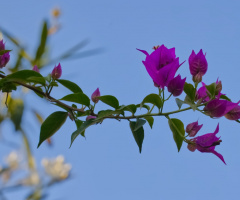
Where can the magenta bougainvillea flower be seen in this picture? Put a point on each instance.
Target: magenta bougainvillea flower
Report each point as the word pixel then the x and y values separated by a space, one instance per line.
pixel 198 65
pixel 56 72
pixel 233 114
pixel 193 128
pixel 90 117
pixel 4 59
pixel 95 94
pixel 219 108
pixel 161 65
pixel 206 143
pixel 176 85
pixel 203 95
pixel 35 68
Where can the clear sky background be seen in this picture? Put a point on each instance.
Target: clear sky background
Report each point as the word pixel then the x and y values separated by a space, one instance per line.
pixel 107 165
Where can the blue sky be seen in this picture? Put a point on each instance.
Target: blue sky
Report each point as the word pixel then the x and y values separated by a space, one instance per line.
pixel 107 164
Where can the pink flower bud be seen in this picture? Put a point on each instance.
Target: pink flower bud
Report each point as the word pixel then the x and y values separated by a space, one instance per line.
pixel 57 72
pixel 193 128
pixel 176 85
pixel 90 117
pixel 95 94
pixel 35 68
pixel 233 114
pixel 198 65
pixel 4 59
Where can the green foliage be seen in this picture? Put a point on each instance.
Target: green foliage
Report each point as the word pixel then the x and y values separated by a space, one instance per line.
pixel 105 113
pixel 224 97
pixel 15 108
pixel 4 51
pixel 211 89
pixel 70 85
pixel 109 100
pixel 7 87
pixel 139 124
pixel 150 120
pixel 80 98
pixel 177 128
pixel 131 108
pixel 153 99
pixel 179 103
pixel 51 125
pixel 190 91
pixel 81 129
pixel 137 134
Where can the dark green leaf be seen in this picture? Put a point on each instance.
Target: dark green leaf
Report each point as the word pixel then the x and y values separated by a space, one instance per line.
pixel 109 100
pixel 150 120
pixel 224 97
pixel 143 106
pixel 81 129
pixel 80 98
pixel 105 113
pixel 35 79
pixel 138 135
pixel 8 87
pixel 4 51
pixel 211 90
pixel 153 99
pixel 70 85
pixel 139 124
pixel 131 108
pixel 51 125
pixel 190 91
pixel 177 128
pixel 43 41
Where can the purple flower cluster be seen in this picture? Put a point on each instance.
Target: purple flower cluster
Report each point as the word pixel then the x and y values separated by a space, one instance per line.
pixel 162 66
pixel 204 143
pixel 5 57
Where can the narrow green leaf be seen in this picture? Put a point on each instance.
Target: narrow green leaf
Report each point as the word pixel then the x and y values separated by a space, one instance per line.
pixel 190 91
pixel 51 125
pixel 139 123
pixel 150 120
pixel 4 51
pixel 224 97
pixel 70 85
pixel 138 134
pixel 177 128
pixel 153 99
pixel 81 129
pixel 109 100
pixel 43 41
pixel 80 98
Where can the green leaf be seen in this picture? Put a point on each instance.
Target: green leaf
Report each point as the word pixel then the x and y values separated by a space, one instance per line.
pixel 22 76
pixel 153 99
pixel 4 51
pixel 143 106
pixel 70 85
pixel 131 108
pixel 8 87
pixel 211 90
pixel 177 128
pixel 138 134
pixel 150 120
pixel 179 103
pixel 81 129
pixel 36 80
pixel 80 98
pixel 224 97
pixel 42 45
pixel 188 101
pixel 139 124
pixel 190 91
pixel 15 108
pixel 105 113
pixel 51 125
pixel 109 100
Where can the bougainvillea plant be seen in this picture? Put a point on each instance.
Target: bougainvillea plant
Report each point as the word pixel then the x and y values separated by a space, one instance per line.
pixel 162 66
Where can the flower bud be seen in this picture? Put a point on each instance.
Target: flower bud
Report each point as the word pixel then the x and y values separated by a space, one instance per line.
pixel 218 87
pixel 176 85
pixel 193 128
pixel 95 94
pixel 90 117
pixel 57 72
pixel 5 57
pixel 35 68
pixel 198 65
pixel 233 114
